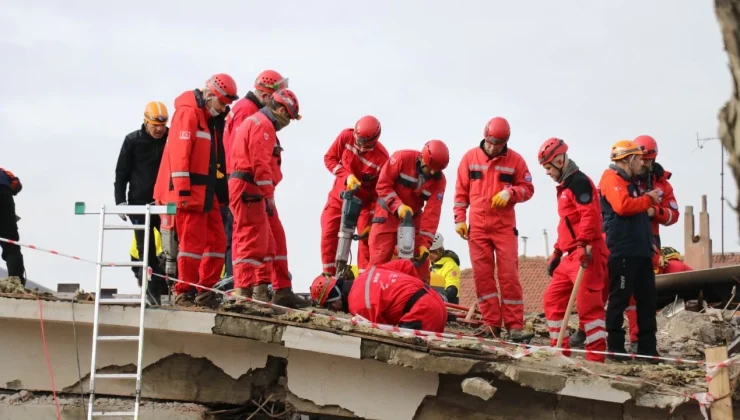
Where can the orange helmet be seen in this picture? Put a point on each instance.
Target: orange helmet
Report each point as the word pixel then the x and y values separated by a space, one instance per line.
pixel 624 148
pixel 649 146
pixel 322 287
pixel 156 113
pixel 269 81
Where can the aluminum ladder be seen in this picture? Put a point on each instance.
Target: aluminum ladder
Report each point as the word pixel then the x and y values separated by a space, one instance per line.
pixel 146 210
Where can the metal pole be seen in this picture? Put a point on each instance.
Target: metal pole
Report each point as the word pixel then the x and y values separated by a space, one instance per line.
pixel 722 196
pixel 96 314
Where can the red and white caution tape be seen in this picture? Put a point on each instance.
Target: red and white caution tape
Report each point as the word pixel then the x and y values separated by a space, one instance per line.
pixel 704 399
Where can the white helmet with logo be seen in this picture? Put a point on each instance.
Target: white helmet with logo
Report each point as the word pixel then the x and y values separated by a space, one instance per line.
pixel 439 242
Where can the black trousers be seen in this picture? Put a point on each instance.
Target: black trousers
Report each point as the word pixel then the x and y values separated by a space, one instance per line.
pixel 632 276
pixel 154 264
pixel 9 230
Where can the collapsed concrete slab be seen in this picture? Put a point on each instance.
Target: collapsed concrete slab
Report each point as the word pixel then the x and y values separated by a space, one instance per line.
pixel 322 367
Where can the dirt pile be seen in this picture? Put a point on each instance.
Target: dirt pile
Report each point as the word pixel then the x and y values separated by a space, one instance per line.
pixel 11 285
pixel 687 333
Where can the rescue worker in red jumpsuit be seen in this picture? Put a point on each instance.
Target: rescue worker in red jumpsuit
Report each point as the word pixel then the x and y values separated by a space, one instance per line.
pixel 671 262
pixel 355 159
pixel 664 213
pixel 411 182
pixel 187 177
pixel 265 85
pixel 579 236
pixel 491 180
pixel 252 195
pixel 390 293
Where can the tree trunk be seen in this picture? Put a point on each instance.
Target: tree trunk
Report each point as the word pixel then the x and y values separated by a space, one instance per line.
pixel 728 15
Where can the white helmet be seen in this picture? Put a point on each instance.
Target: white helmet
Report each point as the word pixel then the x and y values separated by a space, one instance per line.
pixel 439 242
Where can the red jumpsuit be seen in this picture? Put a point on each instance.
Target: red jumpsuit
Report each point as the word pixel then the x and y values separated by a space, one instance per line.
pixel 666 214
pixel 674 266
pixel 251 183
pixel 382 294
pixel 580 223
pixel 401 182
pixel 239 112
pixel 493 231
pixel 343 159
pixel 187 177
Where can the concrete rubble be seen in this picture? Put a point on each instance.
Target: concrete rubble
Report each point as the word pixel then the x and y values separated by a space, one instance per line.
pixel 478 387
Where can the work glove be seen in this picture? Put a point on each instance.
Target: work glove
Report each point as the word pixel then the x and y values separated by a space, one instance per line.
pixel 123 216
pixel 462 230
pixel 365 233
pixel 352 182
pixel 583 253
pixel 423 253
pixel 403 210
pixel 501 199
pixel 554 261
pixel 270 206
pixel 219 174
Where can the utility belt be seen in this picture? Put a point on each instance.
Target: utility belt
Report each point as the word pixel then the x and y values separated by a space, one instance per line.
pixel 247 177
pixel 415 298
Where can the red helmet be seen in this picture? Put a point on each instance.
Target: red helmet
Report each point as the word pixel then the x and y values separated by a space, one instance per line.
pixel 321 287
pixel 287 98
pixel 551 148
pixel 367 132
pixel 223 86
pixel 269 81
pixel 497 130
pixel 648 145
pixel 435 155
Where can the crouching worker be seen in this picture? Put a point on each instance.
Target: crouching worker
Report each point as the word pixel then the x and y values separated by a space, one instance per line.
pixel 389 293
pixel 445 269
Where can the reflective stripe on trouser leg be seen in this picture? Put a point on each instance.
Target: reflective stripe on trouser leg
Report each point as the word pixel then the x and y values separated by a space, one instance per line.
pixel 590 308
pixel 481 258
pixel 192 243
pixel 555 301
pixel 214 253
pixel 280 278
pixel 252 236
pixel 331 219
pixel 507 260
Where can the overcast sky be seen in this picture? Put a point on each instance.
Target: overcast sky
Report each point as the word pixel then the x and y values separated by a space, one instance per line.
pixel 78 74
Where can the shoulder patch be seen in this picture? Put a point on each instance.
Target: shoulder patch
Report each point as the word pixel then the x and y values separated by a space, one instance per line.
pixel 673 205
pixel 453 273
pixel 581 188
pixel 184 135
pixel 527 177
pixel 440 196
pixel 392 161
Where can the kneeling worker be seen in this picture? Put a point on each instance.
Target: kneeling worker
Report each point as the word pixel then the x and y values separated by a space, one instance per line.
pixel 446 267
pixel 389 293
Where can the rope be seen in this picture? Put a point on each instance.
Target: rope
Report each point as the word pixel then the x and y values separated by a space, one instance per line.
pixel 48 360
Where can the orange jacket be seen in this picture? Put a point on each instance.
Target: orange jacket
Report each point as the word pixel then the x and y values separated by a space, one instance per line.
pixel 666 212
pixel 187 174
pixel 343 159
pixel 251 151
pixel 479 178
pixel 402 182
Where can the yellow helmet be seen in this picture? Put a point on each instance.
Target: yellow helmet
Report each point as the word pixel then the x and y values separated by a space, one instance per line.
pixel 156 113
pixel 624 148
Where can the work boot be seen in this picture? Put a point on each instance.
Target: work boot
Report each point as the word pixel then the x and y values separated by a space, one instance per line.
pixel 487 331
pixel 259 293
pixel 207 299
pixel 577 339
pixel 286 297
pixel 185 299
pixel 518 336
pixel 243 292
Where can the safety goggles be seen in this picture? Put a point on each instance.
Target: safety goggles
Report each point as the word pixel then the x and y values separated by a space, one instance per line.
pixel 280 84
pixel 158 118
pixel 495 141
pixel 365 143
pixel 648 152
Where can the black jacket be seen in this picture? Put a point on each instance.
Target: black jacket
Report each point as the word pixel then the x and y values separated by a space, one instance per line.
pixel 216 126
pixel 137 167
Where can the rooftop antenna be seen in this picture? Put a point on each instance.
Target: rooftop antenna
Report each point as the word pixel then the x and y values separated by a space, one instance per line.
pixel 524 243
pixel 700 145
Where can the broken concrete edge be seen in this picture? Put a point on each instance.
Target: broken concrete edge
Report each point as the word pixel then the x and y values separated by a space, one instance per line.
pixel 358 343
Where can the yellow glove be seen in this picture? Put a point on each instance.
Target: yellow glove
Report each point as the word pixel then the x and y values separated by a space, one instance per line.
pixel 462 230
pixel 365 232
pixel 352 182
pixel 501 199
pixel 423 253
pixel 403 209
pixel 219 174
